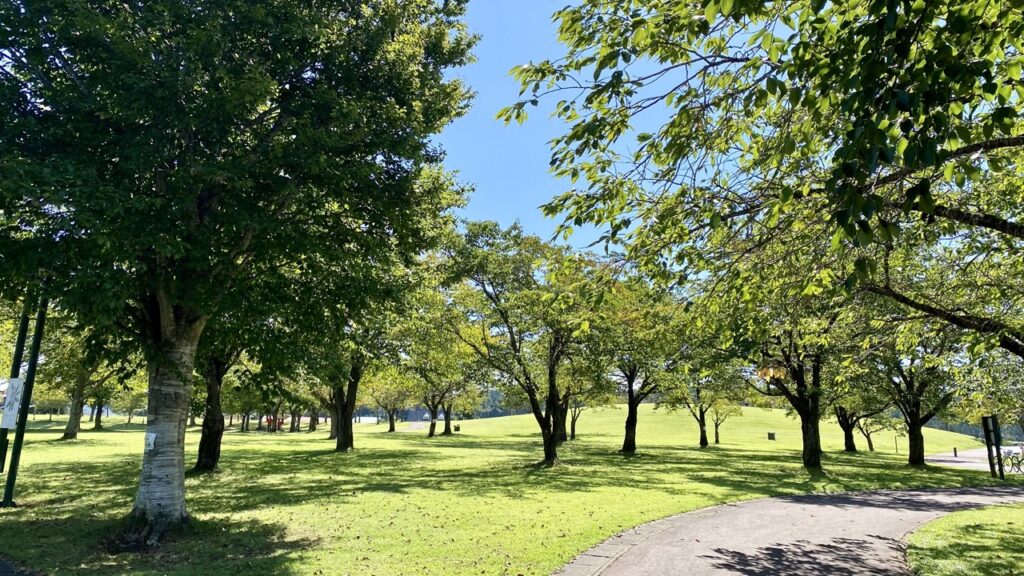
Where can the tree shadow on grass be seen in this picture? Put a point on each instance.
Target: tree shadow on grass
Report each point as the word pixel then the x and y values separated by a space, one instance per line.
pixel 333 477
pixel 74 545
pixel 300 475
pixel 988 548
pixel 76 503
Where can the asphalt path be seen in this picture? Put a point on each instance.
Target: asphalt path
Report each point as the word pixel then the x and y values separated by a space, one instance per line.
pixel 849 534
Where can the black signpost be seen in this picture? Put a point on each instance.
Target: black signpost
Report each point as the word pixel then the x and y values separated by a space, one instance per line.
pixel 19 354
pixel 26 403
pixel 994 445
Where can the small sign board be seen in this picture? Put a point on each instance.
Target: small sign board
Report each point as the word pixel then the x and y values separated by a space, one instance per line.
pixel 12 403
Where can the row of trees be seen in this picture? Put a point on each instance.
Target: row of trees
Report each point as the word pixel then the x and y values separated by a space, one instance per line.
pixel 836 185
pixel 251 191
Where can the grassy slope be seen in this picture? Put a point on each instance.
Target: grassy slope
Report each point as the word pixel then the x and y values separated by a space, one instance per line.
pixel 403 504
pixel 983 542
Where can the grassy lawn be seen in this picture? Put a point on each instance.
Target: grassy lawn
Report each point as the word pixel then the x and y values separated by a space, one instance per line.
pixel 402 504
pixel 982 542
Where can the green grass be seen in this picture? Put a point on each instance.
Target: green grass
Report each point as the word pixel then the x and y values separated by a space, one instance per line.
pixel 404 504
pixel 983 542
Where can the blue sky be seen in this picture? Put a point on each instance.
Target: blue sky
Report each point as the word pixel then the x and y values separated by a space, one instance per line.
pixel 508 165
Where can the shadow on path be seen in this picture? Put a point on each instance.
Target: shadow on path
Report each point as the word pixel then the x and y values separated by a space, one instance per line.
pixel 838 557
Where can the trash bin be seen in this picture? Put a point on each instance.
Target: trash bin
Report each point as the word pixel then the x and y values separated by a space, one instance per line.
pixel 457 428
pixel 771 435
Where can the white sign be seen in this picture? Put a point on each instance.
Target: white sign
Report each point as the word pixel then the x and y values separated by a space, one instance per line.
pixel 150 440
pixel 15 388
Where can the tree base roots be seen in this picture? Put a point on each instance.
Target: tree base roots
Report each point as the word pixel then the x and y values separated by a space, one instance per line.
pixel 141 533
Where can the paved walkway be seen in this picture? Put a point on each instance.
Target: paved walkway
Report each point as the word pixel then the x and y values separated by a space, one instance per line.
pixel 974 459
pixel 840 535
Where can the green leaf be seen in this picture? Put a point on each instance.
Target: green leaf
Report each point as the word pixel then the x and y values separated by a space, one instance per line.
pixel 711 10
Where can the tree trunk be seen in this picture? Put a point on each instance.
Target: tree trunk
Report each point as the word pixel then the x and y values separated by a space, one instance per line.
pixel 391 420
pixel 702 424
pixel 334 424
pixel 92 411
pixel 98 422
pixel 629 442
pixel 916 436
pixel 345 440
pixel 849 442
pixel 160 500
pixel 231 420
pixel 811 435
pixel 75 415
pixel 848 423
pixel 259 421
pixel 563 421
pixel 806 402
pixel 192 420
pixel 314 419
pixel 447 421
pixel 213 419
pixel 572 426
pixel 717 425
pixel 550 447
pixel 871 443
pixel 546 429
pixel 345 401
pixel 433 420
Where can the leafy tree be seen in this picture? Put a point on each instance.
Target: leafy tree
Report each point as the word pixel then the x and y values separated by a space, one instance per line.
pixel 704 386
pixel 256 330
pixel 917 363
pixel 526 306
pixel 872 425
pixel 445 366
pixel 588 380
pixel 392 390
pixel 73 367
pixel 859 398
pixel 240 394
pixel 721 410
pixel 130 396
pixel 215 357
pixel 775 306
pixel 992 383
pixel 164 156
pixel 341 359
pixel 635 336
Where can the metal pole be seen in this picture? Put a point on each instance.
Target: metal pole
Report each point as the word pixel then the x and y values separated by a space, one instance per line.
pixel 986 426
pixel 997 437
pixel 19 354
pixel 30 377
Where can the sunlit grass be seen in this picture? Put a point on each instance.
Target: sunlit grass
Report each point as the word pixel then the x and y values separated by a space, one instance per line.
pixel 404 504
pixel 983 542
